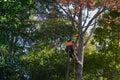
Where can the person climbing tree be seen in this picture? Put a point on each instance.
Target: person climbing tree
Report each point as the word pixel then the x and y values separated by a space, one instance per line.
pixel 70 50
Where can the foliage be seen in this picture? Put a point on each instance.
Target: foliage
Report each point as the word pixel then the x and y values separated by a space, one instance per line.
pixel 13 36
pixel 108 44
pixel 19 40
pixel 45 64
pixel 32 37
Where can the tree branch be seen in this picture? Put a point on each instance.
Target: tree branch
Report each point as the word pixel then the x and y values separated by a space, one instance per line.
pixel 64 10
pixel 92 31
pixel 95 16
pixel 86 18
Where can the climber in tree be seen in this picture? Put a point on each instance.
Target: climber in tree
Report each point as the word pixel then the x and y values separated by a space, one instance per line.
pixel 70 51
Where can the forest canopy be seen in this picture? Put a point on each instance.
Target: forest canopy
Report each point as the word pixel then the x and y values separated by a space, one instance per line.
pixel 33 34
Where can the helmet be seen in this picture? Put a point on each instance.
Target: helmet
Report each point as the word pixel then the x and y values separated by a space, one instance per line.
pixel 69 40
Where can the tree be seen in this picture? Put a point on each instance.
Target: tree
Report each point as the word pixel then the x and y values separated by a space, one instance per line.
pixel 108 42
pixel 14 36
pixel 83 15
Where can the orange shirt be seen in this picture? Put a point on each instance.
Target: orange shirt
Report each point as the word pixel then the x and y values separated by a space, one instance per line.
pixel 69 43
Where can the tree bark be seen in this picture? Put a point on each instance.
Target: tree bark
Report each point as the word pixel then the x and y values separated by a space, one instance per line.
pixel 67 69
pixel 81 58
pixel 80 48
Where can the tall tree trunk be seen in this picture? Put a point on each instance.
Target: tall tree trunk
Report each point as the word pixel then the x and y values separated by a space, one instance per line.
pixel 80 57
pixel 80 48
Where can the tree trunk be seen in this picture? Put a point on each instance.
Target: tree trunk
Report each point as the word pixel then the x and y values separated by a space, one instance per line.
pixel 80 57
pixel 80 48
pixel 67 69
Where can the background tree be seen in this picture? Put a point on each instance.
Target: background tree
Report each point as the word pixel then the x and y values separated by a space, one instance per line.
pixel 24 39
pixel 14 37
pixel 108 43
